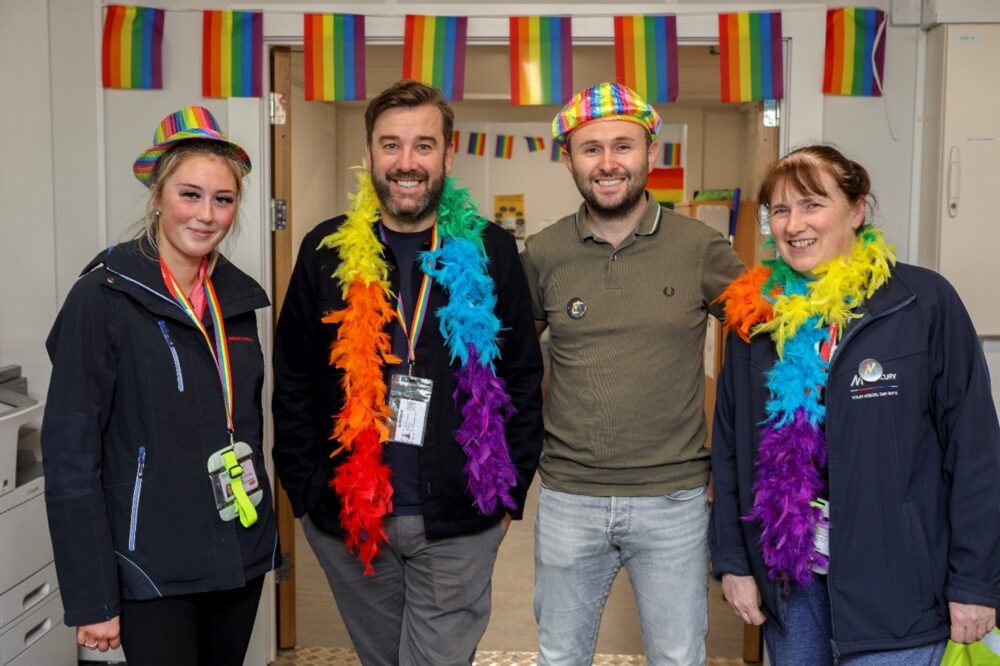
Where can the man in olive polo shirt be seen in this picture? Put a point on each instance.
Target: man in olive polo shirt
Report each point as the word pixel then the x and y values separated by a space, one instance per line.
pixel 625 288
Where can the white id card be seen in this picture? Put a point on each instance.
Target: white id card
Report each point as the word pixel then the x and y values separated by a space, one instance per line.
pixel 409 400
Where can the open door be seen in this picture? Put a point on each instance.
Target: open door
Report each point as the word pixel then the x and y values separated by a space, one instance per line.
pixel 282 260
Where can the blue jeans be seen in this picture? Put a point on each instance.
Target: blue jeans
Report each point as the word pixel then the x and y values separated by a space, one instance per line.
pixel 807 639
pixel 580 544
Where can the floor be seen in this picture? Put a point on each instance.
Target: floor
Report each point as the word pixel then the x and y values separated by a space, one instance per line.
pixel 332 656
pixel 510 639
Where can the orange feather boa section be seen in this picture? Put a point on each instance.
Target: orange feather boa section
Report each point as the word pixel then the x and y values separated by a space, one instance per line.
pixel 362 482
pixel 742 303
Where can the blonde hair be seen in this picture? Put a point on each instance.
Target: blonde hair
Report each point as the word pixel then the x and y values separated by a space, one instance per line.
pixel 168 164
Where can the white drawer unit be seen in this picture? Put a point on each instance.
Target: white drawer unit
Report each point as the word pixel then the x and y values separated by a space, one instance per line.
pixel 39 638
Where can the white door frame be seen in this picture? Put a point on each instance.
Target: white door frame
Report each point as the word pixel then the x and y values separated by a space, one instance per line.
pixel 803 28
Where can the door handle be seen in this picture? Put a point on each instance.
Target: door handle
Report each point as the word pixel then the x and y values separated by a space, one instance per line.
pixel 954 180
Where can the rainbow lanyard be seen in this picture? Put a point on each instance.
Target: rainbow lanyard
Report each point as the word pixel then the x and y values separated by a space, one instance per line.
pixel 220 350
pixel 420 307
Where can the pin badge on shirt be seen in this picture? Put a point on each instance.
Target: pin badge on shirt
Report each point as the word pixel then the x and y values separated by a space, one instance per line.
pixel 870 370
pixel 576 308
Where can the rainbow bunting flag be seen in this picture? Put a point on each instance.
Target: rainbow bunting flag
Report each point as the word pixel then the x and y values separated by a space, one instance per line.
pixel 556 153
pixel 671 154
pixel 666 185
pixel 855 51
pixel 434 52
pixel 541 60
pixel 535 143
pixel 232 53
pixel 505 147
pixel 456 140
pixel 477 143
pixel 132 48
pixel 334 57
pixel 646 56
pixel 752 61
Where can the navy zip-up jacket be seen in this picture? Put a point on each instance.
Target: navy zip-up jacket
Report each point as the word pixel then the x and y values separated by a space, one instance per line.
pixel 308 393
pixel 914 468
pixel 134 411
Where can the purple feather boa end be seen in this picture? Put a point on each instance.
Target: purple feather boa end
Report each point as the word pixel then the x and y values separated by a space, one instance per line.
pixel 788 479
pixel 485 411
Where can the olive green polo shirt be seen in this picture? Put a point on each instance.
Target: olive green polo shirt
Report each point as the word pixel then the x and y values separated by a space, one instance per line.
pixel 625 409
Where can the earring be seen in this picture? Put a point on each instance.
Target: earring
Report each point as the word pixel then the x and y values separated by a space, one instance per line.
pixel 156 213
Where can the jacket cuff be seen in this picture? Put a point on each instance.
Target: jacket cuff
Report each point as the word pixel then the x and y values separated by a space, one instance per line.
pixel 968 591
pixel 83 616
pixel 733 560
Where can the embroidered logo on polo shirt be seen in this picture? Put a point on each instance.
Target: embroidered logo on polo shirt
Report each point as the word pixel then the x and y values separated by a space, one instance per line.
pixel 872 381
pixel 576 308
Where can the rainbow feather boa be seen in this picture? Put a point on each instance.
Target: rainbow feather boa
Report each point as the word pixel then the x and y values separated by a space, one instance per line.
pixel 796 311
pixel 363 347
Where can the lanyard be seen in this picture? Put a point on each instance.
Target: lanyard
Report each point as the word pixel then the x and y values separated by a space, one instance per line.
pixel 827 346
pixel 420 305
pixel 220 350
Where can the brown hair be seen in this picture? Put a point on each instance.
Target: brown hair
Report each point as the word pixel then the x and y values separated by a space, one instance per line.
pixel 408 95
pixel 168 164
pixel 802 168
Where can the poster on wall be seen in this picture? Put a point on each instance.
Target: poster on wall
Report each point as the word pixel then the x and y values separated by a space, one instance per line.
pixel 508 212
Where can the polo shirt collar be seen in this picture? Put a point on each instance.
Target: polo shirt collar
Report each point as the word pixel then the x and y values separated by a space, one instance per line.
pixel 648 224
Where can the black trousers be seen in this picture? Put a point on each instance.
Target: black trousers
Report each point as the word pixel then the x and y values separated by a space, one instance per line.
pixel 207 629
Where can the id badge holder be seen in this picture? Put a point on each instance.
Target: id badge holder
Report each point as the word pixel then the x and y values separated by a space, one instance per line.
pixel 222 479
pixel 821 538
pixel 409 400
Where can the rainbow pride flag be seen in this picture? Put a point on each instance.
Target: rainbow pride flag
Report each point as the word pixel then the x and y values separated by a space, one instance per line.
pixel 232 53
pixel 334 57
pixel 541 59
pixel 671 154
pixel 752 62
pixel 666 185
pixel 556 152
pixel 535 143
pixel 855 51
pixel 646 56
pixel 434 52
pixel 505 147
pixel 132 48
pixel 477 143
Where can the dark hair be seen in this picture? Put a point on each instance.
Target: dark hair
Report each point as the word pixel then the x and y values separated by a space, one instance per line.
pixel 802 168
pixel 408 95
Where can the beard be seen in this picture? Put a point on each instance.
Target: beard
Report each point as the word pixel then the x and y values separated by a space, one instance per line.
pixel 613 208
pixel 408 211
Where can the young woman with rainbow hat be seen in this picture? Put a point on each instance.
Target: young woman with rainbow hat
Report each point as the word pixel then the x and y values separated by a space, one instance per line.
pixel 158 501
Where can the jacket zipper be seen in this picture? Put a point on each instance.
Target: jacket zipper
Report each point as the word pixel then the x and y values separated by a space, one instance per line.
pixel 173 353
pixel 836 354
pixel 136 494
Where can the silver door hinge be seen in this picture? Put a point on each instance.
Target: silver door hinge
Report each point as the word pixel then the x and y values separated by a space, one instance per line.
pixel 276 109
pixel 279 215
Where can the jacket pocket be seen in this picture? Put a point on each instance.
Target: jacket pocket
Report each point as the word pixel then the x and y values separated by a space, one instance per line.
pixel 173 353
pixel 136 495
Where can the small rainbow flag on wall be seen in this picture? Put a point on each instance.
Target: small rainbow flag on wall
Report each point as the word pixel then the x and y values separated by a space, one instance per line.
pixel 666 185
pixel 671 154
pixel 556 152
pixel 132 48
pixel 752 62
pixel 855 51
pixel 434 52
pixel 477 143
pixel 535 143
pixel 334 57
pixel 541 59
pixel 232 53
pixel 646 56
pixel 505 147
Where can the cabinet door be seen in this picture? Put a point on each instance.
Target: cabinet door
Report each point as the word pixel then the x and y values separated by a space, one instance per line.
pixel 970 161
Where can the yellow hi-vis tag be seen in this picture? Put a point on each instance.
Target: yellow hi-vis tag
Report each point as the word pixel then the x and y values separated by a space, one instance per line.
pixel 244 507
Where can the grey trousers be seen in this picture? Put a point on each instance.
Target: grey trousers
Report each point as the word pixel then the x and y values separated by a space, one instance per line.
pixel 427 604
